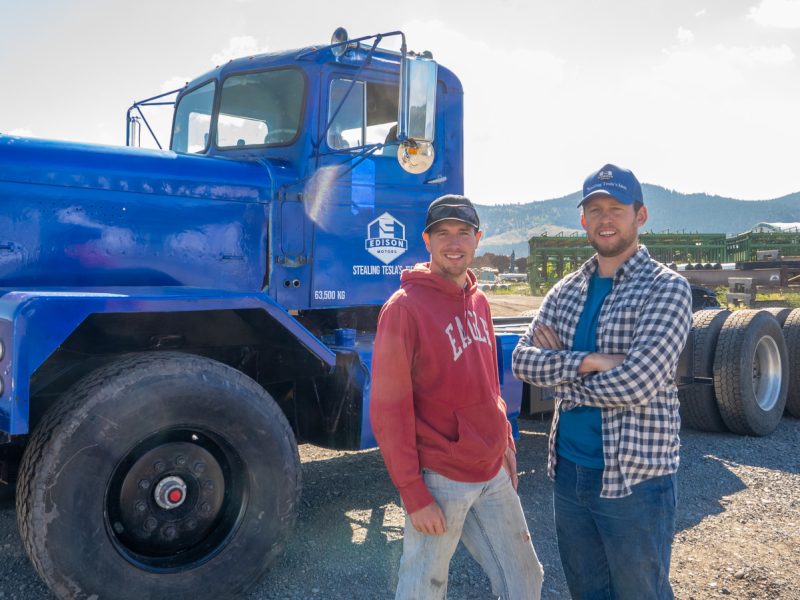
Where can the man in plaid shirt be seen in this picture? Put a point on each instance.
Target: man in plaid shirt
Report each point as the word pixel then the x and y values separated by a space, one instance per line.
pixel 607 340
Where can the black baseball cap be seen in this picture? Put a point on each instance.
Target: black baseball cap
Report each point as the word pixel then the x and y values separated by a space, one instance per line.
pixel 452 206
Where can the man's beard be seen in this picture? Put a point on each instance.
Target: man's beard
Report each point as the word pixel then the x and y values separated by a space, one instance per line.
pixel 622 244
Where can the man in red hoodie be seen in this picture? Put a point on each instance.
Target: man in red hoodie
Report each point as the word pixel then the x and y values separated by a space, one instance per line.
pixel 441 424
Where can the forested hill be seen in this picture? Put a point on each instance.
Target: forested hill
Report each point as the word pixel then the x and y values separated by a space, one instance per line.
pixel 508 227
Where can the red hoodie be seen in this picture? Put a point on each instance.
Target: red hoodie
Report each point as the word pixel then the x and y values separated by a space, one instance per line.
pixel 435 398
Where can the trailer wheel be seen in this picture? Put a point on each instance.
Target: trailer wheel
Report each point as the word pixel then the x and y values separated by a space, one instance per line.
pixel 791 333
pixel 751 372
pixel 699 408
pixel 780 313
pixel 162 475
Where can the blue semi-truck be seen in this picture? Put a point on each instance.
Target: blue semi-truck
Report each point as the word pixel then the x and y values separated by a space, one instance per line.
pixel 173 322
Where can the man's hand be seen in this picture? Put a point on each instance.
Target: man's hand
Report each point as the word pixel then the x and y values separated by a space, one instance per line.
pixel 429 520
pixel 546 337
pixel 597 362
pixel 510 465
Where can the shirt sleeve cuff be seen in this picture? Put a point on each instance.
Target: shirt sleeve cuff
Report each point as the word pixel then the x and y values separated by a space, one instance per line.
pixel 415 496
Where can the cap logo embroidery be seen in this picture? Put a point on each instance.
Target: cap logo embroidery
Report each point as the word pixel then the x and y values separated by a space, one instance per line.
pixel 605 175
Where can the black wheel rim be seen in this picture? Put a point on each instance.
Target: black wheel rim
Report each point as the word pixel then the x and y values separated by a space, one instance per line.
pixel 175 500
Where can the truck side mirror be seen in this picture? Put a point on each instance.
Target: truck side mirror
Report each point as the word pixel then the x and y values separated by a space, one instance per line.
pixel 417 111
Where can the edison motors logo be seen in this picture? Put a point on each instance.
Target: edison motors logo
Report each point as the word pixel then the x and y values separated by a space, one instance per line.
pixel 386 238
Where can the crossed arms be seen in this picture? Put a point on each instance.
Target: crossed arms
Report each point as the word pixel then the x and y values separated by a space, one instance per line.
pixel 609 380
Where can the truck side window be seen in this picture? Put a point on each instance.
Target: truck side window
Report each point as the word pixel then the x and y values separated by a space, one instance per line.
pixel 258 109
pixel 193 120
pixel 367 115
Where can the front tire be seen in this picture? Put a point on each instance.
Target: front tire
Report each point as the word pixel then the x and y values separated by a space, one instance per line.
pixel 162 475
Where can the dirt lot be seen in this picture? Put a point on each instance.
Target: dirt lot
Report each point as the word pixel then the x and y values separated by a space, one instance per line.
pixel 738 526
pixel 507 305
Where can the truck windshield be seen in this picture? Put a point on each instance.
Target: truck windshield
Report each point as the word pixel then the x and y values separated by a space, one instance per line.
pixel 193 120
pixel 258 109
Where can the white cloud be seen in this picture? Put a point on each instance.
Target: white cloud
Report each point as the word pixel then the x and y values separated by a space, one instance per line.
pixel 756 55
pixel 21 132
pixel 718 68
pixel 685 36
pixel 784 14
pixel 511 103
pixel 700 13
pixel 242 45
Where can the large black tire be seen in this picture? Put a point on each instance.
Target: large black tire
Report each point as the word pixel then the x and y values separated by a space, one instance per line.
pixel 780 313
pixel 751 372
pixel 699 408
pixel 791 333
pixel 104 469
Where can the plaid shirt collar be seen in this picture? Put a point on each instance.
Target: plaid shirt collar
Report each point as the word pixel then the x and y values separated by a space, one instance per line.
pixel 631 268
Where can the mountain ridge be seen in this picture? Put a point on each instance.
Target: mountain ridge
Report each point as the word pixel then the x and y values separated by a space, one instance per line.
pixel 508 227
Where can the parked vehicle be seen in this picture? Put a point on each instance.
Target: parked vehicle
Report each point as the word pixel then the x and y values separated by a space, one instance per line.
pixel 173 322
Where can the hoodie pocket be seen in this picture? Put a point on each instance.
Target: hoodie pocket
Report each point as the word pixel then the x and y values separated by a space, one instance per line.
pixel 482 432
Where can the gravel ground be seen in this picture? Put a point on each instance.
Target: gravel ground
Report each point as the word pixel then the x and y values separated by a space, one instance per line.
pixel 739 525
pixel 511 305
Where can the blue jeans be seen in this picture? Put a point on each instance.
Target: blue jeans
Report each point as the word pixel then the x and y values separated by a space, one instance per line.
pixel 487 517
pixel 614 547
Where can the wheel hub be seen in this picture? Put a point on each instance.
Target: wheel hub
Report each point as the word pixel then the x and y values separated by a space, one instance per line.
pixel 767 373
pixel 167 500
pixel 170 492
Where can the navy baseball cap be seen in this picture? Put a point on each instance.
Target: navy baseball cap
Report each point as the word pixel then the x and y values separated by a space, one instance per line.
pixel 611 180
pixel 452 206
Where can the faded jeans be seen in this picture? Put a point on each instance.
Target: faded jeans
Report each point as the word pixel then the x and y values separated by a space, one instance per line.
pixel 614 548
pixel 487 518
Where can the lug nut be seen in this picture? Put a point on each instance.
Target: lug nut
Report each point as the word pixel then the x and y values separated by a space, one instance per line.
pixel 144 484
pixel 191 524
pixel 150 523
pixel 199 467
pixel 118 527
pixel 208 485
pixel 159 466
pixel 180 460
pixel 170 533
pixel 205 507
pixel 141 506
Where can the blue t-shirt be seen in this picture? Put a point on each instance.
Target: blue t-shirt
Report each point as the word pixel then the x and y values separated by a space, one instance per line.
pixel 580 430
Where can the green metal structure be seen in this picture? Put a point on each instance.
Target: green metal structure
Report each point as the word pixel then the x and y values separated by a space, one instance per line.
pixel 552 257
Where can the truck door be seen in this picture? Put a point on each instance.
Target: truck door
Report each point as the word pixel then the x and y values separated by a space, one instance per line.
pixel 367 212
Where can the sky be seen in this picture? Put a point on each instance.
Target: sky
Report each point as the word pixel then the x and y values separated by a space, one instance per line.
pixel 695 96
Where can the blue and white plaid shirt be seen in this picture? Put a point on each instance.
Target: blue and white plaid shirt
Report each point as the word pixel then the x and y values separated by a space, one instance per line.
pixel 647 317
